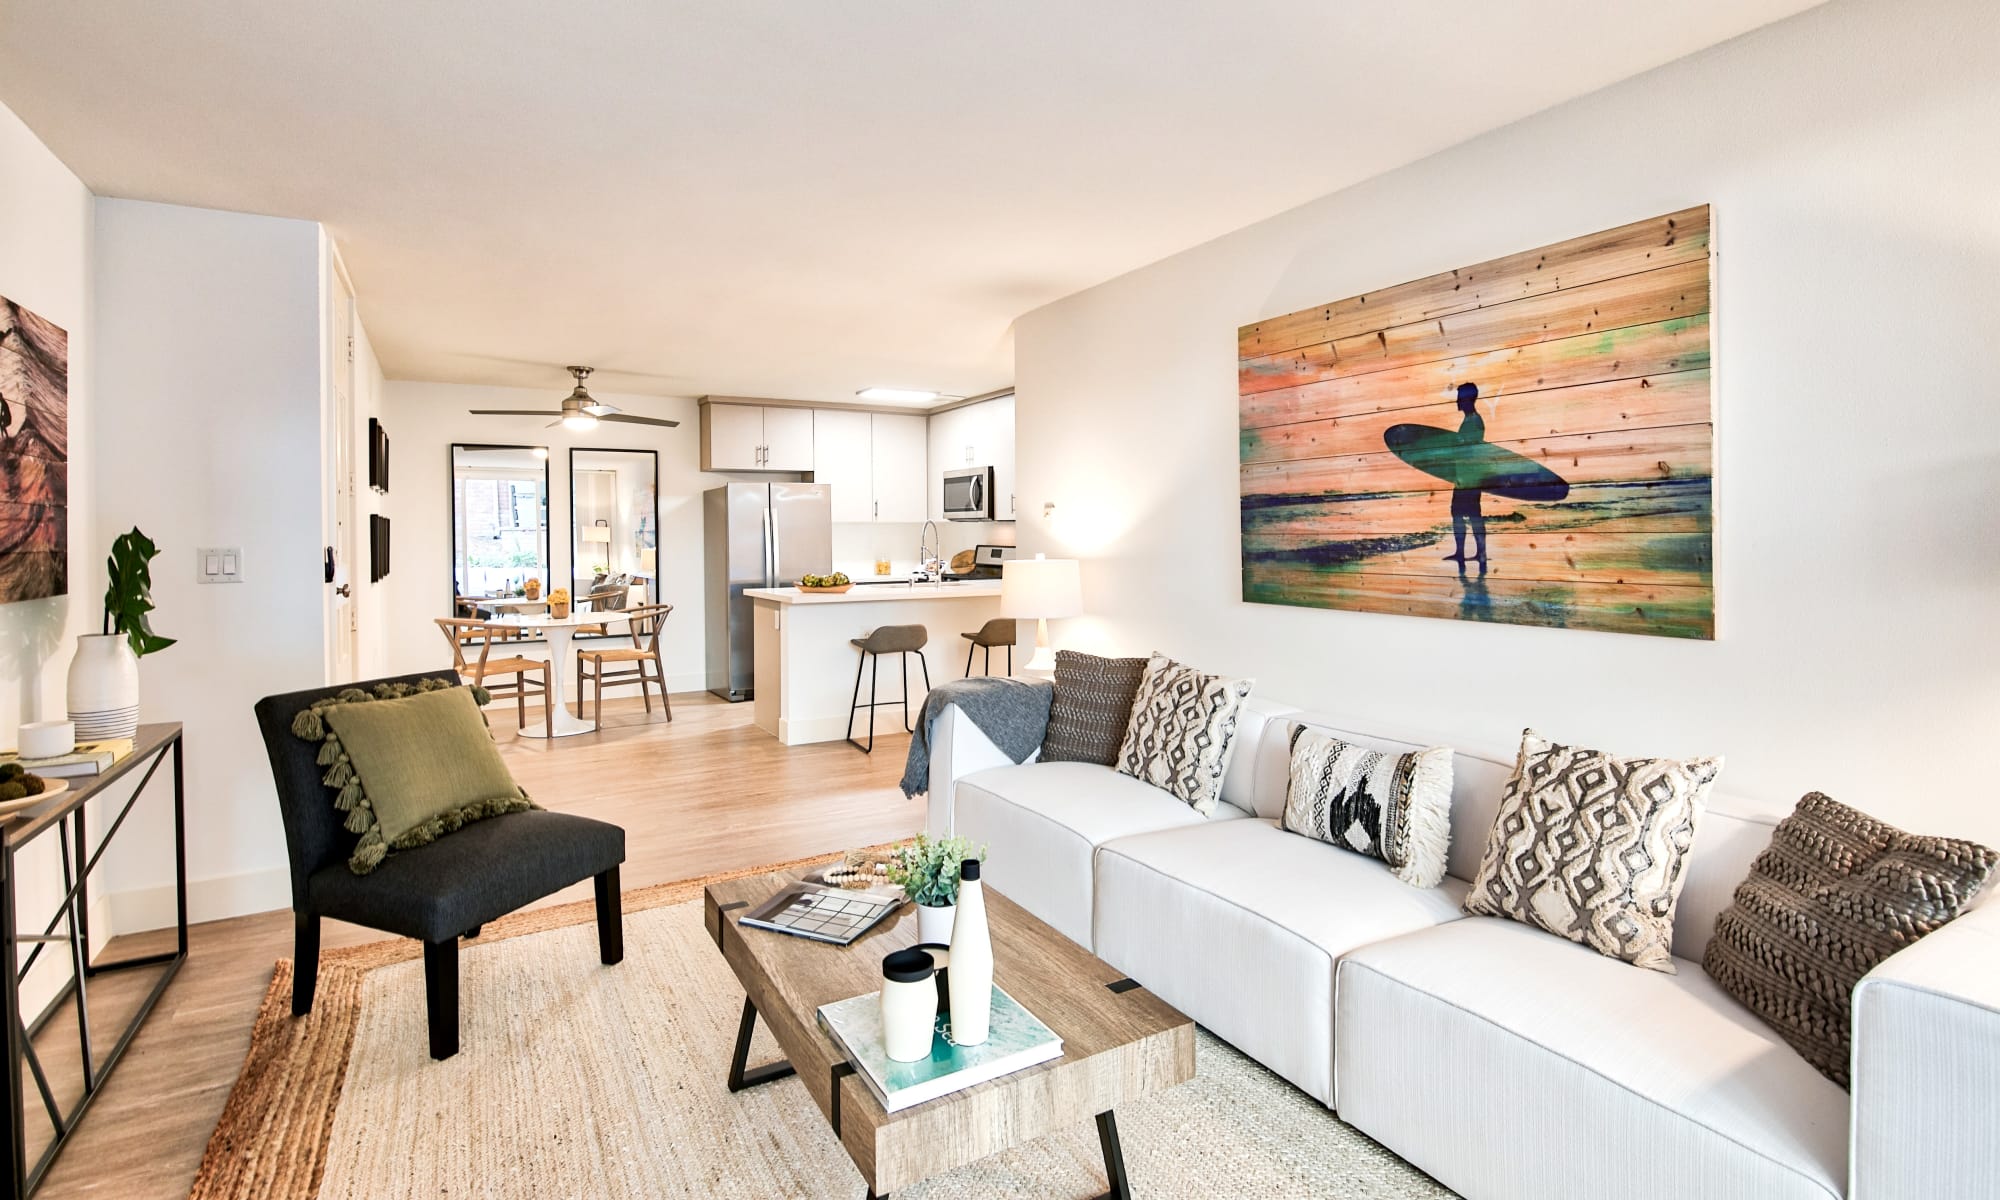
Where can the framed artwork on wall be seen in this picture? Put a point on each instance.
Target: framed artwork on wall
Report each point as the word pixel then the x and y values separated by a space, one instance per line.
pixel 1529 440
pixel 378 456
pixel 378 547
pixel 34 456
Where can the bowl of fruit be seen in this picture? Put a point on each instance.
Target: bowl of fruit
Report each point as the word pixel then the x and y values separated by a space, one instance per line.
pixel 19 789
pixel 836 582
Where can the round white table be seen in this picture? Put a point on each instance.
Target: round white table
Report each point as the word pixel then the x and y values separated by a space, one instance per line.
pixel 559 630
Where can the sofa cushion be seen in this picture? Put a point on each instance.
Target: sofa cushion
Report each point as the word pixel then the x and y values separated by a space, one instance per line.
pixel 1183 731
pixel 1041 823
pixel 1395 807
pixel 1507 1062
pixel 1836 893
pixel 1092 707
pixel 1238 924
pixel 1593 847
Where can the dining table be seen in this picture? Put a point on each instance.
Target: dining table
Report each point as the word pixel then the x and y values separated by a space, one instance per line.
pixel 559 631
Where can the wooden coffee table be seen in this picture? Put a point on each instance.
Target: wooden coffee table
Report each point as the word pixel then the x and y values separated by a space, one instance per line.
pixel 1120 1042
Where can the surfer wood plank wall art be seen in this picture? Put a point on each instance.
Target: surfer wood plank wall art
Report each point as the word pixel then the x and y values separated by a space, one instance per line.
pixel 1529 440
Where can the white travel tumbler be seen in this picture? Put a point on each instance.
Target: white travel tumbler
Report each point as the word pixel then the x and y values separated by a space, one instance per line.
pixel 909 1005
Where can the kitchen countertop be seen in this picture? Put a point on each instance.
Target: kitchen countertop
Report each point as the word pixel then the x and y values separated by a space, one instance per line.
pixel 876 593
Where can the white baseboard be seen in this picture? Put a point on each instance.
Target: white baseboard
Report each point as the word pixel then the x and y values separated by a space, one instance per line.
pixel 141 909
pixel 832 729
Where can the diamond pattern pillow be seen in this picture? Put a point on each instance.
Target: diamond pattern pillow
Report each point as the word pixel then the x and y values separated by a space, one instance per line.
pixel 1092 707
pixel 1836 892
pixel 1182 729
pixel 1395 807
pixel 1593 848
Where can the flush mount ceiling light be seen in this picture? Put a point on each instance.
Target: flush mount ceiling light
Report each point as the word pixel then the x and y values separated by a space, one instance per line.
pixel 889 395
pixel 579 412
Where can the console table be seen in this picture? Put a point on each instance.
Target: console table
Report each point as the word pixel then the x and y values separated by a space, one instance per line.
pixel 154 746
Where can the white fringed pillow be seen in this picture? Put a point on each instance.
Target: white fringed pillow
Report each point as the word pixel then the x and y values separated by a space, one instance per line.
pixel 1395 807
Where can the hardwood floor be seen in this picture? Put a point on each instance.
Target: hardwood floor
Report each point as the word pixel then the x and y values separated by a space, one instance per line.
pixel 708 792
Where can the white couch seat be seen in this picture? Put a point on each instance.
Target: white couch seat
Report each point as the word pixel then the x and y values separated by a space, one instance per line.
pixel 1507 1062
pixel 1041 824
pixel 1238 925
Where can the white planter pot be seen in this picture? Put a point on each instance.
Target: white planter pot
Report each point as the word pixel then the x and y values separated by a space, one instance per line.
pixel 934 924
pixel 104 687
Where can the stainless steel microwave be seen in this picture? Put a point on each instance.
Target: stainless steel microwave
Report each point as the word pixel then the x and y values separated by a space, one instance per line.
pixel 968 494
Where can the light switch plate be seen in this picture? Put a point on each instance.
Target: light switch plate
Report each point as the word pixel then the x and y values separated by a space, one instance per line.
pixel 218 564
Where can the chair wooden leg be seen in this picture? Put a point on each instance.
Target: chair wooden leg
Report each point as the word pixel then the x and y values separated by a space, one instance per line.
pixel 441 996
pixel 521 700
pixel 305 961
pixel 660 671
pixel 600 695
pixel 645 695
pixel 610 918
pixel 548 706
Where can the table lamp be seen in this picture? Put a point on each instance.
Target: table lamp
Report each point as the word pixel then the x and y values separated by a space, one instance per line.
pixel 600 533
pixel 1040 588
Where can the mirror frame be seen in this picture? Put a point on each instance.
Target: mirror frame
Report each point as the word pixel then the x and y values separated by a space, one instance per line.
pixel 451 484
pixel 654 590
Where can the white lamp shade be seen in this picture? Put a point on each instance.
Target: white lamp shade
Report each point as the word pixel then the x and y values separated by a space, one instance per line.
pixel 1041 588
pixel 597 533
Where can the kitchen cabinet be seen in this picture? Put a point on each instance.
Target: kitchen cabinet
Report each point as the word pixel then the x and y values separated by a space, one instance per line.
pixel 977 435
pixel 876 464
pixel 842 457
pixel 900 465
pixel 752 437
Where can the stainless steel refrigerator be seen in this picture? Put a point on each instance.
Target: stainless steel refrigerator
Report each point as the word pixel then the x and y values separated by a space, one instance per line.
pixel 756 535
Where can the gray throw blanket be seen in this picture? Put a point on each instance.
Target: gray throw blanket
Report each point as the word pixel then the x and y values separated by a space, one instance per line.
pixel 1014 713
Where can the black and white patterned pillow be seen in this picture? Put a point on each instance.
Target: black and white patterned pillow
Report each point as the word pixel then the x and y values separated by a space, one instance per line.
pixel 1092 707
pixel 1182 729
pixel 1395 807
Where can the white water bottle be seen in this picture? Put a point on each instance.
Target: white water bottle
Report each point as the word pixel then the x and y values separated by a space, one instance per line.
pixel 971 976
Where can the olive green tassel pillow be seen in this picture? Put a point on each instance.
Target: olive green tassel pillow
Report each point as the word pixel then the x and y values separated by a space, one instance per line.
pixel 408 763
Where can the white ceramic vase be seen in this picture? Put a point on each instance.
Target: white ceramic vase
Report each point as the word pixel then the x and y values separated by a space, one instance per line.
pixel 934 923
pixel 104 687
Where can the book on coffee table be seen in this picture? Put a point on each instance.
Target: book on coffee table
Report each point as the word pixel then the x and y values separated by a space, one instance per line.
pixel 824 914
pixel 1016 1041
pixel 89 758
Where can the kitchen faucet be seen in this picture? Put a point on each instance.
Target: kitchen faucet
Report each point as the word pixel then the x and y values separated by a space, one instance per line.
pixel 930 567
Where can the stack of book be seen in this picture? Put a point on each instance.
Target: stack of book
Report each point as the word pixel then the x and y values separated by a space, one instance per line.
pixel 89 758
pixel 1015 1042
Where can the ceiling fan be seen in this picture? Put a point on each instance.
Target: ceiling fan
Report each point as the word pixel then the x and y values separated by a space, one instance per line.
pixel 579 412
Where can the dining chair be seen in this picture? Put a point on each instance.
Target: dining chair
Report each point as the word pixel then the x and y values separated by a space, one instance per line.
pixel 464 634
pixel 644 624
pixel 603 598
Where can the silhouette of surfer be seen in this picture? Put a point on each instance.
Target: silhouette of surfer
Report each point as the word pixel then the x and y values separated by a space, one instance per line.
pixel 1473 467
pixel 1465 501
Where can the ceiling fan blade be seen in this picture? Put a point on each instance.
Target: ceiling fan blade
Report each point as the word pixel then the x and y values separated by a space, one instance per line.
pixel 641 420
pixel 512 412
pixel 599 409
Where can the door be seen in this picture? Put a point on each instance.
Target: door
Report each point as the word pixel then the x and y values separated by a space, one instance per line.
pixel 801 531
pixel 733 437
pixel 899 452
pixel 788 439
pixel 342 620
pixel 946 450
pixel 840 461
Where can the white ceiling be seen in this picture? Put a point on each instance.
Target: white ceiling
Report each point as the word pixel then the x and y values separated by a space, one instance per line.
pixel 781 197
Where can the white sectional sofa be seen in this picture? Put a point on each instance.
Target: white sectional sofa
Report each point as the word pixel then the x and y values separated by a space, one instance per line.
pixel 1502 1060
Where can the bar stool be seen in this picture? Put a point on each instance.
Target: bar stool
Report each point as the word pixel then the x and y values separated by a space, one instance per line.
pixel 888 639
pixel 997 632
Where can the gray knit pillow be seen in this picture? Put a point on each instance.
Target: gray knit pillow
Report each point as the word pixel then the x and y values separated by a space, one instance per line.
pixel 1836 892
pixel 1092 706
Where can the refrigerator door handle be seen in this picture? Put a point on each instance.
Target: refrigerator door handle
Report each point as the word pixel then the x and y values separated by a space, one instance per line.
pixel 777 556
pixel 770 549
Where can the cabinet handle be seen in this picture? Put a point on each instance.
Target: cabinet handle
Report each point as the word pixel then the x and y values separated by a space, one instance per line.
pixel 878 510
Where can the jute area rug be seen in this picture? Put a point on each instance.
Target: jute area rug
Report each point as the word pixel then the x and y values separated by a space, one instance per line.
pixel 579 1080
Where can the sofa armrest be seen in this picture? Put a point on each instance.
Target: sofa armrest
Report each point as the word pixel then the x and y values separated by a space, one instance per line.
pixel 958 748
pixel 1926 1066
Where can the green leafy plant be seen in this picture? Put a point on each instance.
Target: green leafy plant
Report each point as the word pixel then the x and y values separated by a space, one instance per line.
pixel 129 597
pixel 927 868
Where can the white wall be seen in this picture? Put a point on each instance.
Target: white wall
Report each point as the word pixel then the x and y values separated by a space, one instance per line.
pixel 208 434
pixel 45 249
pixel 424 419
pixel 1852 156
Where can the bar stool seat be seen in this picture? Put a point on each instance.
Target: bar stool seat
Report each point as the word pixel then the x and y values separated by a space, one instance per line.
pixel 997 632
pixel 887 639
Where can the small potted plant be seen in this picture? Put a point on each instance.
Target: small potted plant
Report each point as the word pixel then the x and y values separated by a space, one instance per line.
pixel 104 675
pixel 927 871
pixel 559 604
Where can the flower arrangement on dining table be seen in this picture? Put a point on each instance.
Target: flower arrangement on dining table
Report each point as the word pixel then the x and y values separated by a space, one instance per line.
pixel 559 603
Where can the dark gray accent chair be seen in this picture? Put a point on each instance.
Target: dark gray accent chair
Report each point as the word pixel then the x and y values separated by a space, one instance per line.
pixel 436 893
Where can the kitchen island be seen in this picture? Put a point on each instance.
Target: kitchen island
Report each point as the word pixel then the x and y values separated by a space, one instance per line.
pixel 805 661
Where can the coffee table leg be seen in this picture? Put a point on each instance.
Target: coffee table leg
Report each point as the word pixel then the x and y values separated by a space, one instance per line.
pixel 740 1078
pixel 1114 1158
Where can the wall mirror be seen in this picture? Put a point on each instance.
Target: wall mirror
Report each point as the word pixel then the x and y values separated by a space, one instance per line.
pixel 500 564
pixel 614 506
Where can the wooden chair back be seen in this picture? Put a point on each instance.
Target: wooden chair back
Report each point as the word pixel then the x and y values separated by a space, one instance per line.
pixel 645 624
pixel 461 632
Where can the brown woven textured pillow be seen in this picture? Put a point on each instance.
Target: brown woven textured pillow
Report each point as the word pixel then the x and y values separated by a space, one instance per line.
pixel 1092 706
pixel 1836 892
